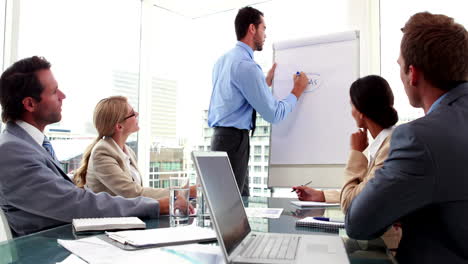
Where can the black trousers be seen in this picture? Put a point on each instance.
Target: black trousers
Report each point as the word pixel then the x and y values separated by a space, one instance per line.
pixel 236 143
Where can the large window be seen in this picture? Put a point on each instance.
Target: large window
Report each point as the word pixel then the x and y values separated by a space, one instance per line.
pixel 94 47
pixel 186 46
pixel 94 50
pixel 394 15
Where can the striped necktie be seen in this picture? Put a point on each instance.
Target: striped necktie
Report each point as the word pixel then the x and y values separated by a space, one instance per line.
pixel 46 144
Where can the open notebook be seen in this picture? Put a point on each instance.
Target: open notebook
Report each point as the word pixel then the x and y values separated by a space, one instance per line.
pixel 107 223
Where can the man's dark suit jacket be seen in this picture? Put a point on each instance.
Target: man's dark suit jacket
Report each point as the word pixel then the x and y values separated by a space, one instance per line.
pixel 424 185
pixel 36 194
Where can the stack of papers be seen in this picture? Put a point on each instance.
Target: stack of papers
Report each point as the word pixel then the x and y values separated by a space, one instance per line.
pixel 160 237
pixel 263 212
pixel 107 223
pixel 95 250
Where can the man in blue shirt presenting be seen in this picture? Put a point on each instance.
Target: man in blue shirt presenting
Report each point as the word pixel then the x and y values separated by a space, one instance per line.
pixel 240 90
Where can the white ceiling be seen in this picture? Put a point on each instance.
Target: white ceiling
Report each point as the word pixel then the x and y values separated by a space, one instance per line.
pixel 200 8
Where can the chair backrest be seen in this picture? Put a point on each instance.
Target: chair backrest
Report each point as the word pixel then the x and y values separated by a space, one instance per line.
pixel 5 231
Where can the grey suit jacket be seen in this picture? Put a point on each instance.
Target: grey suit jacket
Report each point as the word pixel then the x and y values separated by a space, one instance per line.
pixel 424 185
pixel 36 194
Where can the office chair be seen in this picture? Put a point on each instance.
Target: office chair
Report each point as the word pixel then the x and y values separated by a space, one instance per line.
pixel 5 232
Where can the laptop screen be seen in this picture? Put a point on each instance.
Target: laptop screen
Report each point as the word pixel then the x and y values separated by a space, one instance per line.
pixel 224 199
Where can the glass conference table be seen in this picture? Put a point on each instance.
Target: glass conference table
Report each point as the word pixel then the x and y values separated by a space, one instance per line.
pixel 42 247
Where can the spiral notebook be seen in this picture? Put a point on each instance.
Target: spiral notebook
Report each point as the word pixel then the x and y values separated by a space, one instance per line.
pixel 314 223
pixel 107 223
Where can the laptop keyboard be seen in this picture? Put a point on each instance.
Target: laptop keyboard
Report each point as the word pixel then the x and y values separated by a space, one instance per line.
pixel 272 247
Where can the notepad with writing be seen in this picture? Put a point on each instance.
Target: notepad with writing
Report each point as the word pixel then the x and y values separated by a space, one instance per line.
pixel 107 223
pixel 311 222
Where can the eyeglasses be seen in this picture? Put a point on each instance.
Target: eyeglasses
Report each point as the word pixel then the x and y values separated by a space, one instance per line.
pixel 131 115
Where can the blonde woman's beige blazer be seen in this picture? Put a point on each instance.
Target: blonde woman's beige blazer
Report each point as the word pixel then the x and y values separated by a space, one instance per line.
pixel 107 172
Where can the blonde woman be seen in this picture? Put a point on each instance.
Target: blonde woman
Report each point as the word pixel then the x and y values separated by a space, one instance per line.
pixel 108 164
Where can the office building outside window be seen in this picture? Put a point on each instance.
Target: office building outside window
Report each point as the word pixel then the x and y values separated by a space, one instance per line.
pixel 258 149
pixel 258 178
pixel 257 158
pixel 91 58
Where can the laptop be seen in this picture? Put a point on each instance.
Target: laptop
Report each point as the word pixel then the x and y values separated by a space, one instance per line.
pixel 238 243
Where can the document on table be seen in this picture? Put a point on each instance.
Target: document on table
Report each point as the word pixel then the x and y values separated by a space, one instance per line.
pixel 263 212
pixel 107 223
pixel 313 204
pixel 72 259
pixel 95 250
pixel 160 237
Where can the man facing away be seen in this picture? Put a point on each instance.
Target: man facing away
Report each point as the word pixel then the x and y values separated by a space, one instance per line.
pixel 240 90
pixel 424 182
pixel 35 193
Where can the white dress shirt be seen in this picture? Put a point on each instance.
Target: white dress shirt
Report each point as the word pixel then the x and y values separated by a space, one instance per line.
pixel 379 139
pixel 35 133
pixel 133 171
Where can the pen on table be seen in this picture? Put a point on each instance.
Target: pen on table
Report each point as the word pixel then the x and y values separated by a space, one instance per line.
pixel 303 185
pixel 329 219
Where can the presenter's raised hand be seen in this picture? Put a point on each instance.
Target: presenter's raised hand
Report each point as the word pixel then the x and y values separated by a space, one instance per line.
pixel 270 75
pixel 300 83
pixel 359 140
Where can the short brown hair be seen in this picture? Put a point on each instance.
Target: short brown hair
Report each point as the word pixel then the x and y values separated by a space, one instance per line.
pixel 18 82
pixel 438 46
pixel 246 16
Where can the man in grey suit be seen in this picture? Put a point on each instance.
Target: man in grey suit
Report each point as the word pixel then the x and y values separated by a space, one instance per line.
pixel 35 193
pixel 424 182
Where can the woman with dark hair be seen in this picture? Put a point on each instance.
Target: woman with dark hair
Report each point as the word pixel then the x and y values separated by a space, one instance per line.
pixel 372 109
